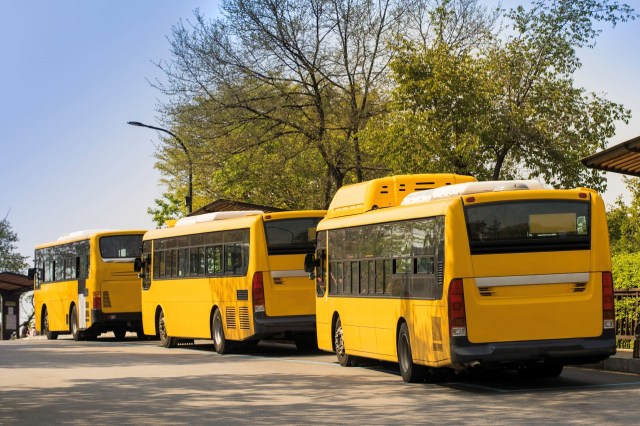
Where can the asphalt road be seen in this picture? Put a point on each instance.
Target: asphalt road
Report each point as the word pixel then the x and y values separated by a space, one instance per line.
pixel 109 382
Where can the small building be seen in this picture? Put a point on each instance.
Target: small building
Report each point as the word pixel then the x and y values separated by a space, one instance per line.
pixel 12 286
pixel 622 158
pixel 222 205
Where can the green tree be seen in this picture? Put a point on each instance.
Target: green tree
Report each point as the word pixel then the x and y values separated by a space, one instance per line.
pixel 507 107
pixel 10 260
pixel 169 207
pixel 280 90
pixel 624 220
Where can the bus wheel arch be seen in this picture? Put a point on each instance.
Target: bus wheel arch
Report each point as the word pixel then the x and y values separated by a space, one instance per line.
pixel 220 342
pixel 44 324
pixel 165 340
pixel 344 359
pixel 410 372
pixel 74 325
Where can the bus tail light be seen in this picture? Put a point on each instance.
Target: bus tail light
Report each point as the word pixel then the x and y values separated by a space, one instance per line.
pixel 608 304
pixel 457 314
pixel 97 300
pixel 258 292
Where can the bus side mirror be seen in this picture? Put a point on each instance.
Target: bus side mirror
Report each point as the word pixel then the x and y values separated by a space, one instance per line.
pixel 309 263
pixel 137 265
pixel 34 272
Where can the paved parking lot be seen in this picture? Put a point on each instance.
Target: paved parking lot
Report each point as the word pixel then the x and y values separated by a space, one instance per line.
pixel 139 382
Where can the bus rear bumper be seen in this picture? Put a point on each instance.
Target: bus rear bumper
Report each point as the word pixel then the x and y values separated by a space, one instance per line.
pixel 507 354
pixel 265 326
pixel 131 321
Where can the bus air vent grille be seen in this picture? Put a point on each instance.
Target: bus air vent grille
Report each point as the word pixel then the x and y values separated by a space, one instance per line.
pixel 242 294
pixel 579 287
pixel 486 291
pixel 106 301
pixel 244 318
pixel 231 317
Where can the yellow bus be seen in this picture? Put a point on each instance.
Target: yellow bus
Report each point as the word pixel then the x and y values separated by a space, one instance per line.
pixel 234 277
pixel 84 284
pixel 503 275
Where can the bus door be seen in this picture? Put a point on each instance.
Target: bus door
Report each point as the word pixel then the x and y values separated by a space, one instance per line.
pixel 289 292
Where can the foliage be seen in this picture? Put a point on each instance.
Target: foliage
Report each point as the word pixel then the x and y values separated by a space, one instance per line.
pixel 10 260
pixel 624 268
pixel 508 108
pixel 274 83
pixel 168 207
pixel 281 102
pixel 624 220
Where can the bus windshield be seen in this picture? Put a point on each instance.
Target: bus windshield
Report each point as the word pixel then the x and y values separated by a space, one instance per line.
pixel 291 236
pixel 528 226
pixel 121 246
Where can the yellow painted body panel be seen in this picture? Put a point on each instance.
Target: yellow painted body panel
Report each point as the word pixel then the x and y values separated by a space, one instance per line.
pixel 287 288
pixel 188 304
pixel 58 298
pixel 370 327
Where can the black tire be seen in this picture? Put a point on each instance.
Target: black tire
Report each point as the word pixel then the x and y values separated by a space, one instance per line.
pixel 165 340
pixel 74 327
pixel 220 342
pixel 306 343
pixel 91 335
pixel 140 334
pixel 540 370
pixel 344 359
pixel 120 333
pixel 410 372
pixel 51 335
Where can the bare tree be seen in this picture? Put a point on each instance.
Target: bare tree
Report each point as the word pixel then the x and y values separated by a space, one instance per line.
pixel 311 73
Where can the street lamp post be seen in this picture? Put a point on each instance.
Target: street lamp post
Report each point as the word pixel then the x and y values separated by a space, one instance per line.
pixel 189 198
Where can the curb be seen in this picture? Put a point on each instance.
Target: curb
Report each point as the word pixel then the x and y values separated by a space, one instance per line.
pixel 621 362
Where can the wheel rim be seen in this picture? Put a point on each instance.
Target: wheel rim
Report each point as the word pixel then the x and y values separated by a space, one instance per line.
pixel 217 330
pixel 45 322
pixel 74 322
pixel 403 352
pixel 161 328
pixel 339 341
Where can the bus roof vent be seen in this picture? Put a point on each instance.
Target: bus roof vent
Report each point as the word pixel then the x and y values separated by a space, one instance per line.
pixel 209 217
pixel 387 192
pixel 83 233
pixel 472 188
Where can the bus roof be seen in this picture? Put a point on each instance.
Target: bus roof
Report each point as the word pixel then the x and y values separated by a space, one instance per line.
pixel 471 188
pixel 87 234
pixel 387 192
pixel 227 221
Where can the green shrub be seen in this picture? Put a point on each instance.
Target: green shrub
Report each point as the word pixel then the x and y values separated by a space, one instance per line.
pixel 625 268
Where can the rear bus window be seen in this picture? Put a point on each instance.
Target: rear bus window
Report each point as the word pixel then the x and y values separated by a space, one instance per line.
pixel 291 236
pixel 528 226
pixel 121 247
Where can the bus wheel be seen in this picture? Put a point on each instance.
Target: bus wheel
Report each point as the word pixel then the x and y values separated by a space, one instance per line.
pixel 120 333
pixel 74 326
pixel 410 372
pixel 51 335
pixel 306 343
pixel 338 340
pixel 165 340
pixel 217 333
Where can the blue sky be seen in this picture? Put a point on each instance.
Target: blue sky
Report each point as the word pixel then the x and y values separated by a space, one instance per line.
pixel 74 72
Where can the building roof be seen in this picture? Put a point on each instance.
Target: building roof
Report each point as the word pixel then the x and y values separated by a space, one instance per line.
pixel 227 205
pixel 622 158
pixel 10 282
